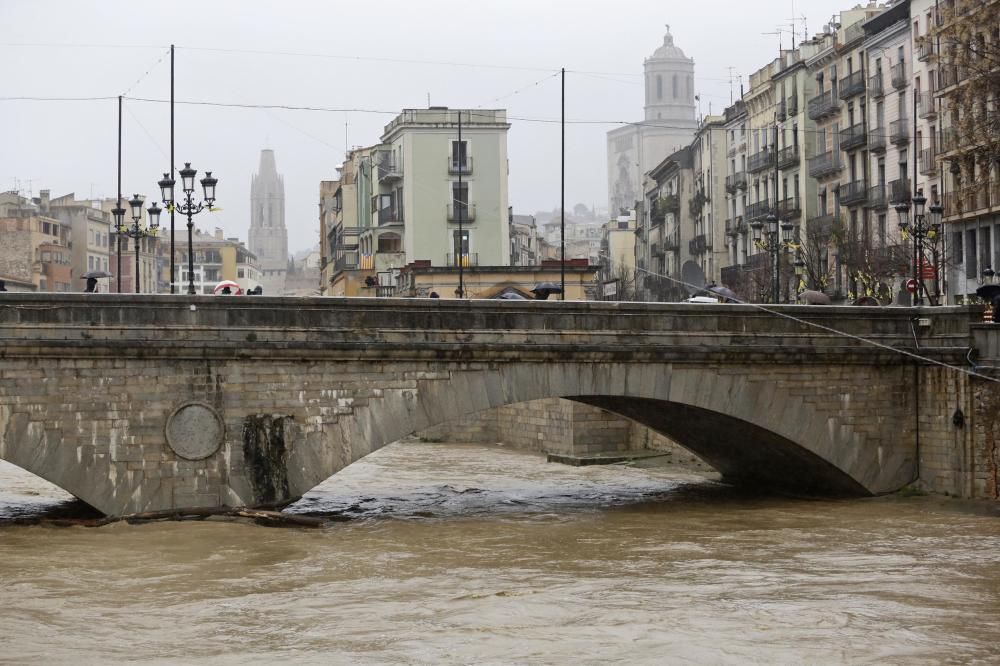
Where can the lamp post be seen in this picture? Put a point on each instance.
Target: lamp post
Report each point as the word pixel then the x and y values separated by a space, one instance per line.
pixel 136 230
pixel 188 207
pixel 770 242
pixel 922 227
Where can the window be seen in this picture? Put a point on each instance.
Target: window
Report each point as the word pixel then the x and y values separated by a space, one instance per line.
pixel 883 230
pixel 460 242
pixel 659 87
pixel 460 195
pixel 459 153
pixel 90 263
pixel 46 228
pixel 676 90
pixel 240 273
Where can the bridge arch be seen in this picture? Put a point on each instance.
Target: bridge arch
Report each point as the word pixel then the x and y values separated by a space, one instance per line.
pixel 725 418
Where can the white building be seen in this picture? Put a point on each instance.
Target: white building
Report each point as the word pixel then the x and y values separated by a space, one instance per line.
pixel 670 123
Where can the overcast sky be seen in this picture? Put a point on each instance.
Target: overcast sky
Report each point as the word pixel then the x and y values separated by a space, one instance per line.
pixel 368 56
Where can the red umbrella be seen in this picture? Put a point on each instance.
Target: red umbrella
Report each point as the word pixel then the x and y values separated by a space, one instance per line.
pixel 234 287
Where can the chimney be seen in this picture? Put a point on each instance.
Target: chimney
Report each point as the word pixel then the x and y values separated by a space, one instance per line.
pixel 218 233
pixel 44 203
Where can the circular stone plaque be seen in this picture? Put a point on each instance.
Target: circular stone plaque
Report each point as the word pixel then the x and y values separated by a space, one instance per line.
pixel 195 430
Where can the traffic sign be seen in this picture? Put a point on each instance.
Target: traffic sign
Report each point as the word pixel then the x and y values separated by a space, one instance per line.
pixel 911 286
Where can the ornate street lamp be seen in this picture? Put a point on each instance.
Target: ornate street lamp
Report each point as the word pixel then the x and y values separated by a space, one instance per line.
pixel 136 230
pixel 773 237
pixel 188 207
pixel 925 224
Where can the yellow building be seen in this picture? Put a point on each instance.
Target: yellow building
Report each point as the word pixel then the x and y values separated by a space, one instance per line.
pixel 420 280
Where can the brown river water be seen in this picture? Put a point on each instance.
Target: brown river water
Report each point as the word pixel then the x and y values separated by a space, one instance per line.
pixel 458 554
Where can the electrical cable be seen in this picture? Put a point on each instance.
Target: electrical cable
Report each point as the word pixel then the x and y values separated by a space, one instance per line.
pixel 828 329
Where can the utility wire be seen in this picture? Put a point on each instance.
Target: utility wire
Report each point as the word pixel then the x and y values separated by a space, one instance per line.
pixel 828 329
pixel 395 112
pixel 146 73
pixel 521 89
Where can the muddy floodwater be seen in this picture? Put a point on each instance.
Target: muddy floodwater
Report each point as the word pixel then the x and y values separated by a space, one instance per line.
pixel 455 554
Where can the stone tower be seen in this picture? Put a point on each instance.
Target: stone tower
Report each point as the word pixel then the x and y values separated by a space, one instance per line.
pixel 268 235
pixel 669 124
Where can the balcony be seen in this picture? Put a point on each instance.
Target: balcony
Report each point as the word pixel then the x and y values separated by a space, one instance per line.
pixel 698 245
pixel 899 132
pixel 926 48
pixel 853 137
pixel 389 171
pixel 349 260
pixel 789 209
pixel 668 204
pixel 823 105
pixel 788 157
pixel 851 85
pixel 948 77
pixel 735 227
pixel 736 181
pixel 853 33
pixel 825 164
pixel 456 167
pixel 761 161
pixel 672 242
pixel 875 89
pixel 899 192
pixel 876 197
pixel 925 106
pixel 656 250
pixel 388 216
pixel 928 161
pixel 467 211
pixel 854 194
pixel 898 77
pixel 758 211
pixel 792 106
pixel 780 111
pixel 876 140
pixel 949 140
pixel 468 259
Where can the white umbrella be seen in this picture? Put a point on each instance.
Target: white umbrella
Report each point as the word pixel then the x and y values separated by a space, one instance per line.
pixel 234 287
pixel 812 297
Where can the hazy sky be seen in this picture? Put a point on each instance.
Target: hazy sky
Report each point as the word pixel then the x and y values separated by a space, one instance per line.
pixel 368 56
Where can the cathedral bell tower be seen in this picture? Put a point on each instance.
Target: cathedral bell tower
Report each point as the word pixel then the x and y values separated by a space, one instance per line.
pixel 669 83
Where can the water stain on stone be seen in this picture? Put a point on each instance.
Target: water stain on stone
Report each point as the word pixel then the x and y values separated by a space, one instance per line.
pixel 266 457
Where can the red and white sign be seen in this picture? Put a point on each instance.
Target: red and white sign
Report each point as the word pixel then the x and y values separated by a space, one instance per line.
pixel 911 286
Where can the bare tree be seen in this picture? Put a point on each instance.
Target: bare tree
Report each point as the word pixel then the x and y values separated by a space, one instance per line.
pixel 966 43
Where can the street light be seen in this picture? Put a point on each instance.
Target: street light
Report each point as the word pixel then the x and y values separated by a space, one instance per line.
pixel 771 242
pixel 136 230
pixel 925 224
pixel 188 207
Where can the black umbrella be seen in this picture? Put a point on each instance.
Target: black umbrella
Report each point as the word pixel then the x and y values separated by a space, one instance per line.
pixel 725 292
pixel 543 290
pixel 95 274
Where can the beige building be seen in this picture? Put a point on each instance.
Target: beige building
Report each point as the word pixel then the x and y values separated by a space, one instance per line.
pixel 216 258
pixel 35 252
pixel 90 229
pixel 665 229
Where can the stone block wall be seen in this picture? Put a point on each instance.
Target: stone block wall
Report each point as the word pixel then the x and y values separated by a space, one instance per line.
pixel 553 425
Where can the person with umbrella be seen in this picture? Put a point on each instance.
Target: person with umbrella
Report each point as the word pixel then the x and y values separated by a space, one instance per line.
pixel 91 277
pixel 91 286
pixel 543 290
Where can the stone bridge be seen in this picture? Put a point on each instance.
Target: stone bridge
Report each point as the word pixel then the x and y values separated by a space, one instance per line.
pixel 148 403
